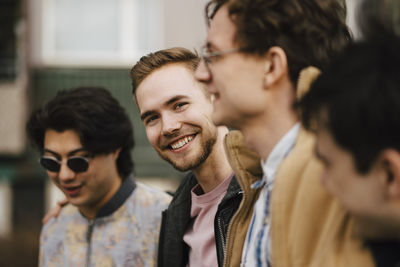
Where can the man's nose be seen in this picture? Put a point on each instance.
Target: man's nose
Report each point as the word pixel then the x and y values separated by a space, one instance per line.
pixel 170 124
pixel 65 174
pixel 202 73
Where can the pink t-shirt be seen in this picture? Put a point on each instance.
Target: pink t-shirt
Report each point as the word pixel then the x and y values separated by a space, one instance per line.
pixel 200 234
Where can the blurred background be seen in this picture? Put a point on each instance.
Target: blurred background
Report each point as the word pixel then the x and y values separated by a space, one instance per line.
pixel 48 45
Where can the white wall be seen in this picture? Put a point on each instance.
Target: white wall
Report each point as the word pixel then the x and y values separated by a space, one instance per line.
pixel 185 23
pixel 13 102
pixel 13 108
pixel 352 8
pixel 5 208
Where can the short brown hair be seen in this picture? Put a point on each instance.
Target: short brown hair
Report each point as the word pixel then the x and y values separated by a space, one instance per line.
pixel 153 61
pixel 311 32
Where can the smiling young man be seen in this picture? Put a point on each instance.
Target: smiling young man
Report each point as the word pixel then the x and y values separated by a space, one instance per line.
pixel 254 54
pixel 176 112
pixel 85 138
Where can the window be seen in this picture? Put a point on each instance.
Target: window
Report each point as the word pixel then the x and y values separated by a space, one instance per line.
pixel 99 32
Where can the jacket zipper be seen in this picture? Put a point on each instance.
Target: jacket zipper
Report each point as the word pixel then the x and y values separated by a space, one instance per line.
pixel 221 236
pixel 89 241
pixel 224 241
pixel 160 257
pixel 228 233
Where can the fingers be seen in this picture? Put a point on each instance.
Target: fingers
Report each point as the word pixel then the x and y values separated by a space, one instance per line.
pixel 62 203
pixel 54 212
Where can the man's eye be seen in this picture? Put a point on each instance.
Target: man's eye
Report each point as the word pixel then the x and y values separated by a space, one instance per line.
pixel 151 119
pixel 213 57
pixel 180 105
pixel 207 59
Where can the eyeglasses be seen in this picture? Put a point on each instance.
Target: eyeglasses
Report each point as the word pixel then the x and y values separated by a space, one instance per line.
pixel 75 163
pixel 208 56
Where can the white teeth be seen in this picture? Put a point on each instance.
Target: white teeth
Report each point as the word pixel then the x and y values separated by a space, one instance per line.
pixel 182 142
pixel 212 97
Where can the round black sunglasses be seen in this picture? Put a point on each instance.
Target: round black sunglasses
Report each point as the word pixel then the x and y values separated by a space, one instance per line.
pixel 75 163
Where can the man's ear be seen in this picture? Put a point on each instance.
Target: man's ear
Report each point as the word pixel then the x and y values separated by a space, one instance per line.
pixel 275 66
pixel 116 153
pixel 390 159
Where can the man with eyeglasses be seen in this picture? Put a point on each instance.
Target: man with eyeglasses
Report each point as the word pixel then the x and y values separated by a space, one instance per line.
pixel 252 63
pixel 85 138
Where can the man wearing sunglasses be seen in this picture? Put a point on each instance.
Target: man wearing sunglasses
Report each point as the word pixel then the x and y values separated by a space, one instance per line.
pixel 85 138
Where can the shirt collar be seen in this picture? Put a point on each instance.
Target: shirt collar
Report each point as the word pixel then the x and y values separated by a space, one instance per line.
pixel 124 191
pixel 278 153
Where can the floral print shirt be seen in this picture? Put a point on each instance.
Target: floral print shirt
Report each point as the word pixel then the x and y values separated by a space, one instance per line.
pixel 124 233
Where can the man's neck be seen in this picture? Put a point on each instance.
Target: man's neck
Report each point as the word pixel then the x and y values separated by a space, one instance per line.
pixel 90 211
pixel 263 130
pixel 262 135
pixel 216 168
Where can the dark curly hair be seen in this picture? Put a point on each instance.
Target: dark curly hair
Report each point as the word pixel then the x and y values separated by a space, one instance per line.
pixel 357 99
pixel 100 121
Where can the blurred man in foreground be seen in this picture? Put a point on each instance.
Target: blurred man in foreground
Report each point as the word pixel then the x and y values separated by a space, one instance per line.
pixel 354 110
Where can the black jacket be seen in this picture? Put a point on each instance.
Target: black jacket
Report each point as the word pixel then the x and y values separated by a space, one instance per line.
pixel 386 253
pixel 172 250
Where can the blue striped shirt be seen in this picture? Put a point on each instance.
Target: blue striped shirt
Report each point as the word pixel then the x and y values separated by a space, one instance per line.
pixel 257 249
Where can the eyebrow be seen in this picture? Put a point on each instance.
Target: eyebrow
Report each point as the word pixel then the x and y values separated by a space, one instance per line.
pixel 58 156
pixel 166 104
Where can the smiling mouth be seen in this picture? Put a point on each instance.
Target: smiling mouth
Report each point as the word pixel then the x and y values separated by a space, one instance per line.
pixel 73 190
pixel 181 142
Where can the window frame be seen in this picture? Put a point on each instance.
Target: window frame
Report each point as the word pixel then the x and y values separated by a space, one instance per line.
pixel 126 52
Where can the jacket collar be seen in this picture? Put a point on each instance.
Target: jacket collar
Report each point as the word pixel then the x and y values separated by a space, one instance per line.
pixel 245 162
pixel 124 191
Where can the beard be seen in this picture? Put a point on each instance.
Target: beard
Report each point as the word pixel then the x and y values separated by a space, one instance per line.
pixel 205 151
